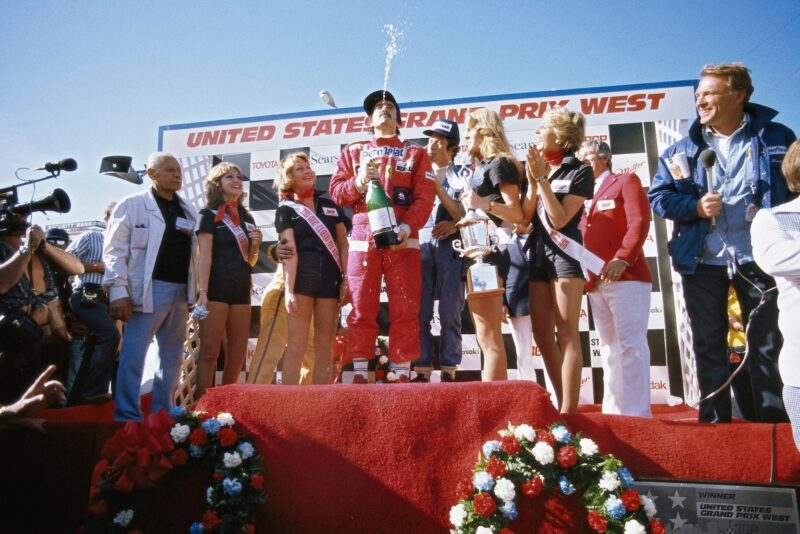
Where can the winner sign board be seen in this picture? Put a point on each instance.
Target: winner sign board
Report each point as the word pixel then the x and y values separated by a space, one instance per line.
pixel 638 122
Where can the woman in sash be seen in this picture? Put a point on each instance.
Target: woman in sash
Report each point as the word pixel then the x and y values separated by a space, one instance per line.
pixel 228 241
pixel 559 183
pixel 494 189
pixel 315 228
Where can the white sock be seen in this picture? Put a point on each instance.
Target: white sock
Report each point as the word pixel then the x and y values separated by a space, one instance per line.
pixel 360 366
pixel 402 369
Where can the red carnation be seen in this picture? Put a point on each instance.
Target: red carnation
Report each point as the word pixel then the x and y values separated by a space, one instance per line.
pixel 227 436
pixel 532 487
pixel 218 475
pixel 567 456
pixel 484 504
pixel 509 445
pixel 211 520
pixel 546 436
pixel 205 416
pixel 99 508
pixel 465 488
pixel 506 531
pixel 198 437
pixel 597 521
pixel 630 498
pixel 251 528
pixel 496 467
pixel 656 527
pixel 179 457
pixel 257 481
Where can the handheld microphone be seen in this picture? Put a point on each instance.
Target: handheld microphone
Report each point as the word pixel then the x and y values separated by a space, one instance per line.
pixel 707 158
pixel 67 164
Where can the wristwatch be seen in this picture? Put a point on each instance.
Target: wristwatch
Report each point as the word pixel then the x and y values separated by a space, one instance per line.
pixel 541 179
pixel 25 250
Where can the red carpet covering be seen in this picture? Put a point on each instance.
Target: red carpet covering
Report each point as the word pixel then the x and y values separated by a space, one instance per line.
pixel 369 459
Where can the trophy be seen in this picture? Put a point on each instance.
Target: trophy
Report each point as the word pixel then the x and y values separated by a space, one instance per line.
pixel 476 243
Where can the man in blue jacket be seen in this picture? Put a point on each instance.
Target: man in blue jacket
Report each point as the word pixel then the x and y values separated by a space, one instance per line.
pixel 710 245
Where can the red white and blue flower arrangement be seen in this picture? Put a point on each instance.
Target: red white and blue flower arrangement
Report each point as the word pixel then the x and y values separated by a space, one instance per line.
pixel 532 462
pixel 139 454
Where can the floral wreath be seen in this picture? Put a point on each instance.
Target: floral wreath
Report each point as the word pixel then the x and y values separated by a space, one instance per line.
pixel 140 453
pixel 532 462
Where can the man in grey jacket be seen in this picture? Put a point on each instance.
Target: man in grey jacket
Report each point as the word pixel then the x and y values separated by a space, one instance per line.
pixel 150 280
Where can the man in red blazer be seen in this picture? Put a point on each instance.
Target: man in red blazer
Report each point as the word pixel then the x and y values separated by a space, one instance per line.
pixel 614 227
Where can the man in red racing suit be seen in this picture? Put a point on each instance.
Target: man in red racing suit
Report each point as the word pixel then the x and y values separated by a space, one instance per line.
pixel 412 190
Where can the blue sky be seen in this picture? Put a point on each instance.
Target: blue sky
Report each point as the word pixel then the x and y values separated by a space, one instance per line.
pixel 86 79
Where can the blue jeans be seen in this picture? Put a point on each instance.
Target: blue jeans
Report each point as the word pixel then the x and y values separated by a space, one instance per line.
pixel 441 279
pixel 706 295
pixel 167 324
pixel 96 368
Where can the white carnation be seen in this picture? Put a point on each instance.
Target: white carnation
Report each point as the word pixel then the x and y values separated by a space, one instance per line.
pixel 525 431
pixel 543 453
pixel 588 447
pixel 391 376
pixel 457 515
pixel 649 506
pixel 124 518
pixel 504 489
pixel 225 419
pixel 484 530
pixel 634 527
pixel 382 360
pixel 180 432
pixel 609 481
pixel 231 459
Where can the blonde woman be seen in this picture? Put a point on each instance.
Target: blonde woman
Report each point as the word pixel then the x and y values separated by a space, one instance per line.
pixel 228 240
pixel 559 183
pixel 315 228
pixel 494 189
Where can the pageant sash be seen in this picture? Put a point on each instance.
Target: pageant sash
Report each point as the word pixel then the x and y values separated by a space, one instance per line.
pixel 318 226
pixel 588 260
pixel 241 237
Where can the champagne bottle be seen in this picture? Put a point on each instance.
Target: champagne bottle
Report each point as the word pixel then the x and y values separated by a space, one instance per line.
pixel 382 221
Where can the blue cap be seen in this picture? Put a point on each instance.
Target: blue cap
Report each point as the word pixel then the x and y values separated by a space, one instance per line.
pixel 446 128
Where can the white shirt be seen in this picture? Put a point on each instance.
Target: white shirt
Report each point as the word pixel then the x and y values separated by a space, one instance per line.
pixel 775 235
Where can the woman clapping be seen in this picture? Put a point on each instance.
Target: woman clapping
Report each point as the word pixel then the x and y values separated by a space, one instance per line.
pixel 558 185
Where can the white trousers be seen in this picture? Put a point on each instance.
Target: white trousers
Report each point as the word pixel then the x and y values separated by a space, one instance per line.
pixel 522 334
pixel 620 311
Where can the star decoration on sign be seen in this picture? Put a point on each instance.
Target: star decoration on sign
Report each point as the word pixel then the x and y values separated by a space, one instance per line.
pixel 677 500
pixel 678 522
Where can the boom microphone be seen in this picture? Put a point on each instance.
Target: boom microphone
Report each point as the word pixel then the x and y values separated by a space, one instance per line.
pixel 57 201
pixel 68 165
pixel 707 159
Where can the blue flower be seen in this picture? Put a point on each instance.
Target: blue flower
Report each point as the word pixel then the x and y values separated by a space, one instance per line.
pixel 231 487
pixel 561 434
pixel 625 477
pixel 196 528
pixel 482 481
pixel 210 495
pixel 565 486
pixel 490 447
pixel 195 451
pixel 246 450
pixel 211 426
pixel 509 510
pixel 177 411
pixel 615 508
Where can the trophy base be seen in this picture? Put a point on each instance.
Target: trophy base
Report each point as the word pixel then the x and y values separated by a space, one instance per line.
pixel 483 282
